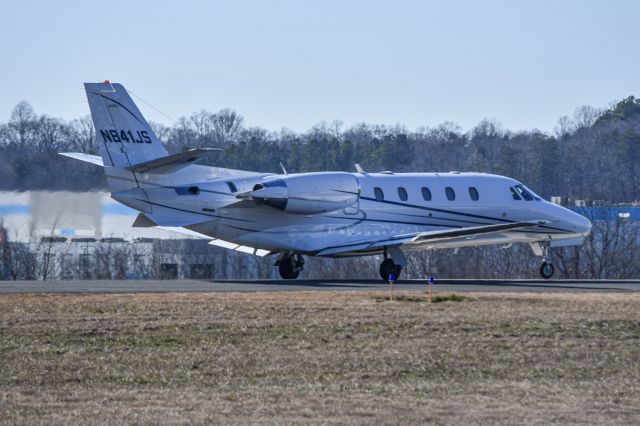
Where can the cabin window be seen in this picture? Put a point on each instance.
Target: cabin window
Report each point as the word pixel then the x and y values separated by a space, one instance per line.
pixel 402 193
pixel 232 187
pixel 379 194
pixel 514 194
pixel 187 190
pixel 451 195
pixel 473 193
pixel 426 193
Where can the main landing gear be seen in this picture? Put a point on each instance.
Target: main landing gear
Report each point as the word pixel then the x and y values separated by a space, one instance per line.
pixel 387 267
pixel 392 265
pixel 290 266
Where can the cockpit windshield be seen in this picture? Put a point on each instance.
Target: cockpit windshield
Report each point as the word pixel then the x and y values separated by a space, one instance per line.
pixel 522 192
pixel 514 194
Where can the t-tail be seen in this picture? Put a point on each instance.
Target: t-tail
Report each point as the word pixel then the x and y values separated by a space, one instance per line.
pixel 132 155
pixel 122 133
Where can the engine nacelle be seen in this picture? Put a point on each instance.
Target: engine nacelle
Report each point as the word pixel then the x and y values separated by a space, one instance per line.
pixel 308 193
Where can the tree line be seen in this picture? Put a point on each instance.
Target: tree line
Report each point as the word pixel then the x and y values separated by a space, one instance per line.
pixel 593 154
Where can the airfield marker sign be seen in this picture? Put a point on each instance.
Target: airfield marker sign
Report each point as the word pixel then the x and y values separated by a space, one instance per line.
pixel 430 281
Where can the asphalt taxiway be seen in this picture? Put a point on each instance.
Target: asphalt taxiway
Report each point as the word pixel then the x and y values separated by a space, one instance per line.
pixel 197 286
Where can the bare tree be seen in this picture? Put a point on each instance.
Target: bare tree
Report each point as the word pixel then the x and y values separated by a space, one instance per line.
pixel 103 256
pixel 226 123
pixel 120 255
pixel 21 125
pixel 48 263
pixel 202 123
pixel 83 135
pixel 51 134
pixel 161 131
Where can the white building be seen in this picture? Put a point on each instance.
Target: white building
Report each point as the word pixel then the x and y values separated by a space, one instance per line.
pixel 28 216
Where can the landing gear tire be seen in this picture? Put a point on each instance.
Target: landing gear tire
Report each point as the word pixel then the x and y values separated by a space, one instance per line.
pixel 546 270
pixel 388 267
pixel 290 267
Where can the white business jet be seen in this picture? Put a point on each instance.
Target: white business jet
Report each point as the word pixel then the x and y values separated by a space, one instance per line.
pixel 329 214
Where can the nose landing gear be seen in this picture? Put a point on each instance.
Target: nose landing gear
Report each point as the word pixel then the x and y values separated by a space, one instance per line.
pixel 546 269
pixel 290 266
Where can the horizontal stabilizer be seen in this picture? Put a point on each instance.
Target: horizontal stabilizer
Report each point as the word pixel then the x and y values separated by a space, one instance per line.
pixel 173 162
pixel 93 159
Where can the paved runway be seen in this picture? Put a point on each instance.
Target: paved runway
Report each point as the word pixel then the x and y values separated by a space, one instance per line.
pixel 191 286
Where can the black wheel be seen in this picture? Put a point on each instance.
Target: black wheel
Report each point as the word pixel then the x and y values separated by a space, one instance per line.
pixel 387 267
pixel 546 270
pixel 289 269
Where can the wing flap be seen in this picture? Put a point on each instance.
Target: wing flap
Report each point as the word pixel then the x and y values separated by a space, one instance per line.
pixel 344 249
pixel 217 242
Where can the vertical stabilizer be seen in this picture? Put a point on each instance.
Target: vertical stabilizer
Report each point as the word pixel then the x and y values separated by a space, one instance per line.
pixel 122 133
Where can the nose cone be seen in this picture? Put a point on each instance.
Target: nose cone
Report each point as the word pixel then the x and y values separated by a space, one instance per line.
pixel 570 221
pixel 580 224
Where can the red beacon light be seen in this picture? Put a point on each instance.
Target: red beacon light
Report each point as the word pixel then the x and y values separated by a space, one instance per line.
pixel 107 82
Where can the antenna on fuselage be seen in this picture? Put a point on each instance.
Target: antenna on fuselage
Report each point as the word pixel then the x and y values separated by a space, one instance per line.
pixel 359 169
pixel 283 169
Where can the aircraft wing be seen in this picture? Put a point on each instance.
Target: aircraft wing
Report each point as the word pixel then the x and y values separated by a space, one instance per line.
pixel 173 162
pixel 474 230
pixel 93 159
pixel 216 241
pixel 431 237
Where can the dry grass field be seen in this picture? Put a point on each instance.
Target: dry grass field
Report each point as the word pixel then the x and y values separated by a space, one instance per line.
pixel 319 358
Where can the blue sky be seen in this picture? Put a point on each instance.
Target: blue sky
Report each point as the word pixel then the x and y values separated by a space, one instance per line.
pixel 294 63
